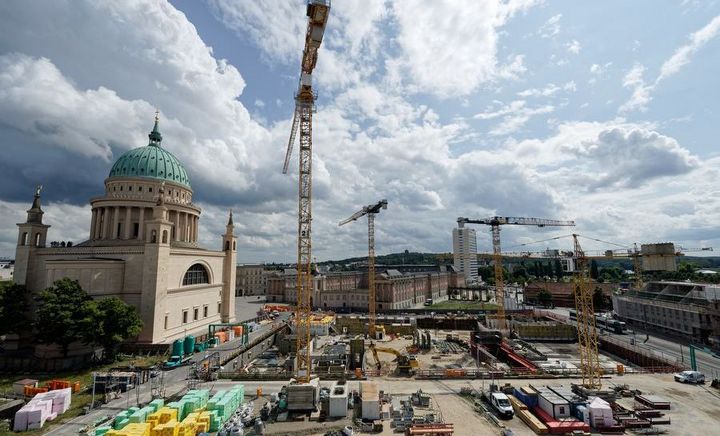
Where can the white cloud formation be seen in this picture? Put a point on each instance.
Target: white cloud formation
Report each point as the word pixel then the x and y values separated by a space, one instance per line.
pixel 642 92
pixel 514 116
pixel 551 27
pixel 573 46
pixel 682 55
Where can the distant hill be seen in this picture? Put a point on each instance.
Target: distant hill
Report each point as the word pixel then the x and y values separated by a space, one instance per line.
pixel 406 258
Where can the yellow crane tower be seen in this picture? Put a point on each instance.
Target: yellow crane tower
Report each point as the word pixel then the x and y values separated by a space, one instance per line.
pixel 317 12
pixel 370 211
pixel 495 223
pixel 586 330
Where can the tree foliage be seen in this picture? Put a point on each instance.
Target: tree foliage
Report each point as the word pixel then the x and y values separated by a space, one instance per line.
pixel 67 314
pixel 545 298
pixel 14 307
pixel 64 315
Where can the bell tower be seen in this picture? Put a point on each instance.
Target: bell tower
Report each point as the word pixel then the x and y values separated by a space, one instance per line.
pixel 229 272
pixel 155 271
pixel 32 234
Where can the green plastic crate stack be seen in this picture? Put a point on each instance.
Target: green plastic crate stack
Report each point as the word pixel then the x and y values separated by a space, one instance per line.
pixel 227 402
pixel 121 420
pixel 175 405
pixel 100 431
pixel 156 404
pixel 140 416
pixel 215 422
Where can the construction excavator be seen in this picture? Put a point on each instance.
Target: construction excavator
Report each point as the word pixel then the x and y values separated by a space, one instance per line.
pixel 406 363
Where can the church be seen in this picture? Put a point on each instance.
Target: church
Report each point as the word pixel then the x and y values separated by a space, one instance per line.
pixel 142 247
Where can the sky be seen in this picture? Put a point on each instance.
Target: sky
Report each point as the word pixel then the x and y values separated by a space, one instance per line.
pixel 600 112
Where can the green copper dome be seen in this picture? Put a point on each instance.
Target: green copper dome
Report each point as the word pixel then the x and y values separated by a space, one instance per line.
pixel 151 161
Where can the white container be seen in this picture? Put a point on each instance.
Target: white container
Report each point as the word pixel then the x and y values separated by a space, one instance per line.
pixel 553 405
pixel 600 413
pixel 338 402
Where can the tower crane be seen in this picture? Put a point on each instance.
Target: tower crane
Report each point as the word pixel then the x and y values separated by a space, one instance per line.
pixel 586 329
pixel 317 12
pixel 370 211
pixel 495 223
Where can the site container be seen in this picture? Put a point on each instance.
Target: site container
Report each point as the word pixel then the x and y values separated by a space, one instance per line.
pixel 178 348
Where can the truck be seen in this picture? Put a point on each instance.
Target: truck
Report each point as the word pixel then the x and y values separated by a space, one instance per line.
pixel 429 302
pixel 690 377
pixel 500 403
pixel 176 361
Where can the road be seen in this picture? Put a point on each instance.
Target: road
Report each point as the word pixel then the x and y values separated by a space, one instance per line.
pixel 175 380
pixel 664 347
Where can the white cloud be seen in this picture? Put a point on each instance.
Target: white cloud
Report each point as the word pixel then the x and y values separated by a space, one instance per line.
pixel 549 90
pixel 551 27
pixel 514 116
pixel 682 55
pixel 573 46
pixel 641 92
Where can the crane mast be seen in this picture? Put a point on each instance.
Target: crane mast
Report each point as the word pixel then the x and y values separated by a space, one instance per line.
pixel 586 329
pixel 317 12
pixel 495 223
pixel 370 211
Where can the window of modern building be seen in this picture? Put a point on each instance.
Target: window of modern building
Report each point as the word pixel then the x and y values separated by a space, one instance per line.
pixel 205 311
pixel 219 306
pixel 195 275
pixel 185 316
pixel 166 321
pixel 196 312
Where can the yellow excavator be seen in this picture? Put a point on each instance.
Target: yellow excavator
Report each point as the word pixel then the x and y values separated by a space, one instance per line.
pixel 406 363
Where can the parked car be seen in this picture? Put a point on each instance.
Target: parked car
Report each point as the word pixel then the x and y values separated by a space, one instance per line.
pixel 690 377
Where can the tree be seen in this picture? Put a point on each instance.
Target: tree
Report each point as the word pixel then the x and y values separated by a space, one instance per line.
pixel 65 314
pixel 545 298
pixel 115 322
pixel 599 300
pixel 594 273
pixel 558 269
pixel 14 307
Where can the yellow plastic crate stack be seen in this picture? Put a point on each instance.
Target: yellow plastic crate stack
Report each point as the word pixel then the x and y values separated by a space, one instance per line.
pixel 163 422
pixel 194 423
pixel 132 429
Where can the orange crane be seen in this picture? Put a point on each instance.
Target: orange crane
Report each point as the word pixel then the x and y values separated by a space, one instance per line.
pixel 370 211
pixel 495 223
pixel 317 12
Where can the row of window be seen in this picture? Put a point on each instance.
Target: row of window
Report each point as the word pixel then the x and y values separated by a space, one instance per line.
pixel 195 314
pixel 139 188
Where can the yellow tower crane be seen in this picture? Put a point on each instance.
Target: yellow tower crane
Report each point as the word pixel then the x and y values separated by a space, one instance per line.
pixel 495 223
pixel 370 211
pixel 586 329
pixel 317 12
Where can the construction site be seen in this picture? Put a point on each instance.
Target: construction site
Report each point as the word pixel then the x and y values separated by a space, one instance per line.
pixel 301 369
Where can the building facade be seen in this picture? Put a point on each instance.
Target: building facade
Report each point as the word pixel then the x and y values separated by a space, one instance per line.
pixel 348 291
pixel 142 247
pixel 465 253
pixel 689 310
pixel 250 280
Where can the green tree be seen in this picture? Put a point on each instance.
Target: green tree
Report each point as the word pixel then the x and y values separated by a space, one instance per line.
pixel 594 273
pixel 65 314
pixel 599 300
pixel 14 308
pixel 558 269
pixel 115 322
pixel 545 298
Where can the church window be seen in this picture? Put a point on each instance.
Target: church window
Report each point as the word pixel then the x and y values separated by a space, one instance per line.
pixel 150 189
pixel 195 275
pixel 234 245
pixel 129 188
pixel 121 188
pixel 37 239
pixel 136 229
pixel 164 239
pixel 185 316
pixel 227 245
pixel 153 237
pixel 140 188
pixel 219 306
pixel 24 240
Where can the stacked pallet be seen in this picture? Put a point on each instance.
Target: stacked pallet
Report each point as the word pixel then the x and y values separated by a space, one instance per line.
pixel 44 406
pixel 522 411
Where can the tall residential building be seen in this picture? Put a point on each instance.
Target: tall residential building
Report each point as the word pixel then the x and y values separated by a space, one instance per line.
pixel 465 253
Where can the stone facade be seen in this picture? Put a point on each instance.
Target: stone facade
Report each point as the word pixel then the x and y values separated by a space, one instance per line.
pixel 349 290
pixel 142 248
pixel 251 280
pixel 690 310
